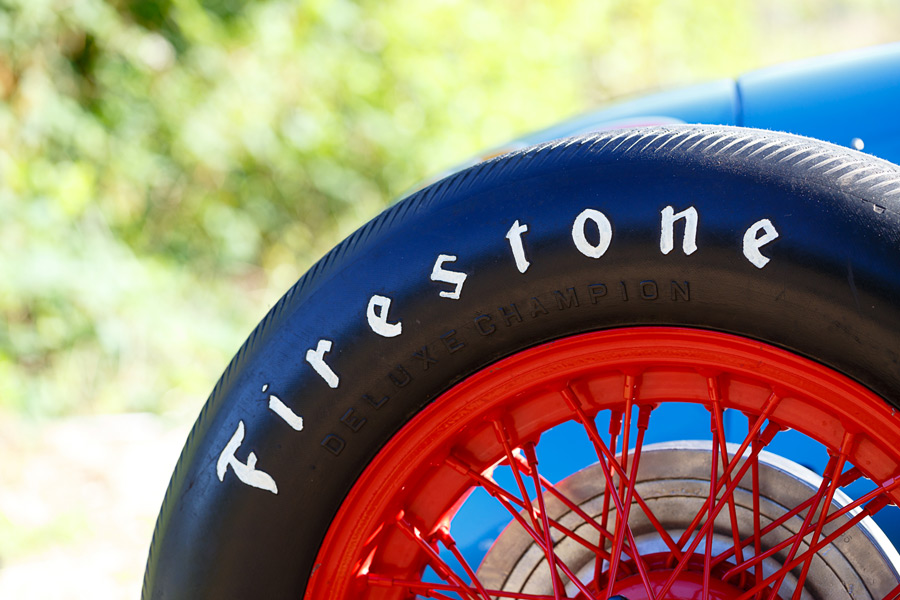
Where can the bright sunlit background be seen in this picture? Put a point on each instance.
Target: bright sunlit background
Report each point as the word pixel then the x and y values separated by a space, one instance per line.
pixel 168 168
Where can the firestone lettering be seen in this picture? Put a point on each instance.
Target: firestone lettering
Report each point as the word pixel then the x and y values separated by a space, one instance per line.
pixel 316 358
pixel 753 241
pixel 579 236
pixel 667 235
pixel 246 472
pixel 378 319
pixel 592 234
pixel 438 273
pixel 514 235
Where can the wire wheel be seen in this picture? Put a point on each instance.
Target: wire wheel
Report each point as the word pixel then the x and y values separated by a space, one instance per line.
pixel 563 439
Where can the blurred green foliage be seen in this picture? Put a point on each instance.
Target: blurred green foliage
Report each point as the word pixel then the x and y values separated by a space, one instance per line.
pixel 168 168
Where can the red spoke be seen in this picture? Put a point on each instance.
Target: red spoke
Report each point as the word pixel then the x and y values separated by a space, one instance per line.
pixel 504 438
pixel 421 587
pixel 832 488
pixel 711 501
pixel 833 464
pixel 876 499
pixel 603 528
pixel 548 541
pixel 719 439
pixel 795 540
pixel 539 540
pixel 603 451
pixel 604 455
pixel 535 533
pixel 621 507
pixel 766 437
pixel 615 423
pixel 605 535
pixel 436 596
pixel 846 479
pixel 643 423
pixel 590 521
pixel 869 510
pixel 486 482
pixel 757 534
pixel 437 563
pixel 628 396
pixel 507 499
pixel 443 534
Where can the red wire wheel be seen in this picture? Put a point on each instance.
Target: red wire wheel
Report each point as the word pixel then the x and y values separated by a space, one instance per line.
pixel 393 536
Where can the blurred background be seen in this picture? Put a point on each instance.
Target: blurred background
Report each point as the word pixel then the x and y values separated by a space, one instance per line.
pixel 168 168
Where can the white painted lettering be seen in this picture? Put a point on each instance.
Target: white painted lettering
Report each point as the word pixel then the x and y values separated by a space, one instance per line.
pixel 378 319
pixel 667 233
pixel 603 226
pixel 247 473
pixel 438 273
pixel 514 235
pixel 753 241
pixel 282 410
pixel 316 358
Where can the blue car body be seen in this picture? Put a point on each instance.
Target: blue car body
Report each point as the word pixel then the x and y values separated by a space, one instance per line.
pixel 850 99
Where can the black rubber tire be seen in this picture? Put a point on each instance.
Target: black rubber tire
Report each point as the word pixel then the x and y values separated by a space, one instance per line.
pixel 831 292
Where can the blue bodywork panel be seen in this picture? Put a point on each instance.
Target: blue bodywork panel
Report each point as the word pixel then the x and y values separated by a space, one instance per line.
pixel 837 99
pixel 715 103
pixel 840 98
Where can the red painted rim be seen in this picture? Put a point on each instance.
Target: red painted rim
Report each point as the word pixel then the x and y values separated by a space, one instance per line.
pixel 398 513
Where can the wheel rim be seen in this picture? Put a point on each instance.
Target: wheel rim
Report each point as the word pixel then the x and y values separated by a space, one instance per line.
pixel 392 537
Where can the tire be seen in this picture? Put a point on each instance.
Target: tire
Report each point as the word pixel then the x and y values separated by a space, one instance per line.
pixel 793 278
